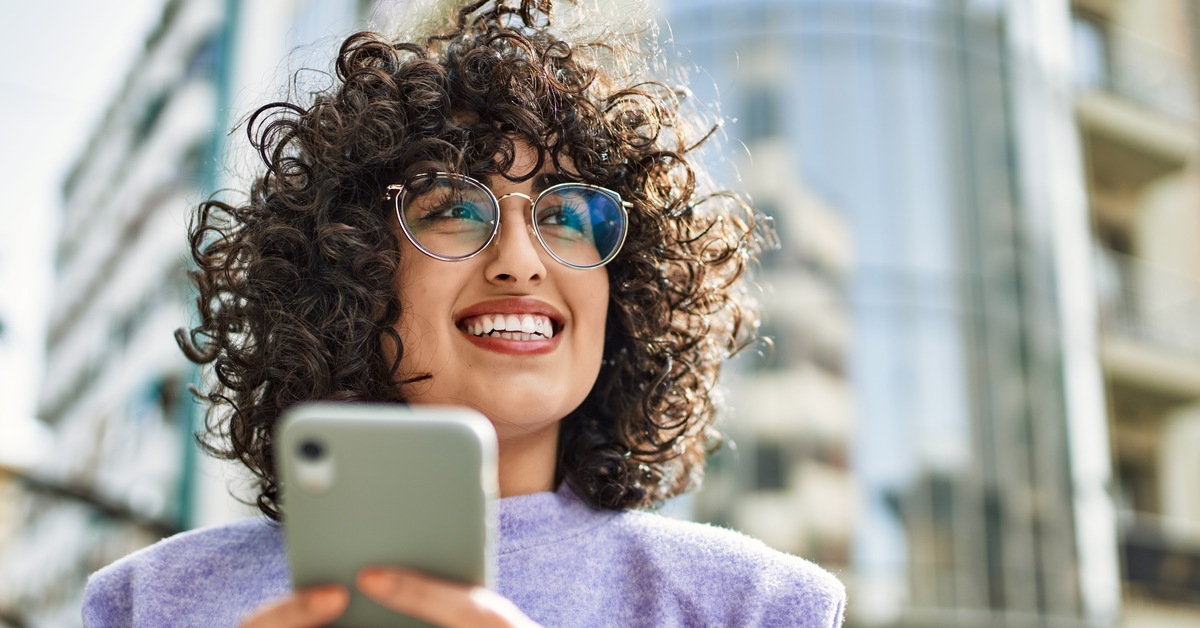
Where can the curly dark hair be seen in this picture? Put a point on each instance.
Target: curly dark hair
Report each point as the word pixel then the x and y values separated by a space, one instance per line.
pixel 296 284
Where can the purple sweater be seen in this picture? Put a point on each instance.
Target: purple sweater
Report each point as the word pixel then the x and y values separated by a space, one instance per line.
pixel 561 561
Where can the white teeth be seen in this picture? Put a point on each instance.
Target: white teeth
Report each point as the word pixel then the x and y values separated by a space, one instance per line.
pixel 511 326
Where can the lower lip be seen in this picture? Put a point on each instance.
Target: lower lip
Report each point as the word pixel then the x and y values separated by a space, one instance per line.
pixel 514 347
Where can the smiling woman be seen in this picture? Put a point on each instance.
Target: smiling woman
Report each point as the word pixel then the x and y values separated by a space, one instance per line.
pixel 503 215
pixel 525 382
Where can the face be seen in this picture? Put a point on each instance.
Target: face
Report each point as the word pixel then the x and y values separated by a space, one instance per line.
pixel 524 382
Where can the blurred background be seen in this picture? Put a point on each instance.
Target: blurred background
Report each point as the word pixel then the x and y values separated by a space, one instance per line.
pixel 983 404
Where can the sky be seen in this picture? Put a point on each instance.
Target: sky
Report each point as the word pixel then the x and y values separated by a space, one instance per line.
pixel 63 61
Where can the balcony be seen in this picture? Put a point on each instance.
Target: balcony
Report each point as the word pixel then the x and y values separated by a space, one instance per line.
pixel 1161 558
pixel 1135 105
pixel 1150 326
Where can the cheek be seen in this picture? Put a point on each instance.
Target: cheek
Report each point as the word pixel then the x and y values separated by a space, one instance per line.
pixel 421 290
pixel 596 294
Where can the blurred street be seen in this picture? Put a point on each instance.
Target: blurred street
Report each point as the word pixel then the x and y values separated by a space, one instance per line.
pixel 982 402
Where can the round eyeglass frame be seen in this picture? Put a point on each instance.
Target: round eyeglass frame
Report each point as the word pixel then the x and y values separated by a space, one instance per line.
pixel 395 194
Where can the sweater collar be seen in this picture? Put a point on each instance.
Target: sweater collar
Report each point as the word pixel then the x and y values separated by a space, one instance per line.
pixel 539 518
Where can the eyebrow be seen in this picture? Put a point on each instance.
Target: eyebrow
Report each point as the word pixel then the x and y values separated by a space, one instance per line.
pixel 549 179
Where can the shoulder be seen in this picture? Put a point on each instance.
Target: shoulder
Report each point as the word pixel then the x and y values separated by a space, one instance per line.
pixel 243 559
pixel 187 552
pixel 729 572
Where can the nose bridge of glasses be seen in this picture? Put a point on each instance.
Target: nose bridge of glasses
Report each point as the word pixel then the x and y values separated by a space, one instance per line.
pixel 516 194
pixel 529 199
pixel 529 226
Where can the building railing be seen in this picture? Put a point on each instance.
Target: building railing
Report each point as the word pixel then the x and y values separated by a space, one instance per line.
pixel 1133 68
pixel 1161 557
pixel 1147 302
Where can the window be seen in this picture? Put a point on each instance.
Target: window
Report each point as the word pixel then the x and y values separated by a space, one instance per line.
pixel 150 116
pixel 770 466
pixel 1091 51
pixel 202 63
pixel 761 113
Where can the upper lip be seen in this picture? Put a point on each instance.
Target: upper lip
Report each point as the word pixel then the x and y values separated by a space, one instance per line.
pixel 512 305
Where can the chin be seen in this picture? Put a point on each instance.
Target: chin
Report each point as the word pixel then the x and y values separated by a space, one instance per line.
pixel 533 415
pixel 530 411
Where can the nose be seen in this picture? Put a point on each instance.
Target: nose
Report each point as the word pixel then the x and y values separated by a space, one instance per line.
pixel 515 259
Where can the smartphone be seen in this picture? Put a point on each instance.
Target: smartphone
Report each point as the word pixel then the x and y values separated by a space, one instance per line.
pixel 374 484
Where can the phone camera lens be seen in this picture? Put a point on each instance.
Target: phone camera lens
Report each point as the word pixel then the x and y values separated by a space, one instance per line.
pixel 311 450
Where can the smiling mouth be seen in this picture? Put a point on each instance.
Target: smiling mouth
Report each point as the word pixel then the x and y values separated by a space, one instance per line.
pixel 521 327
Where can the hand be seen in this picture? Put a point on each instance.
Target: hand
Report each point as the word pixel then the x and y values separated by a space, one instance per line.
pixel 439 602
pixel 436 601
pixel 315 606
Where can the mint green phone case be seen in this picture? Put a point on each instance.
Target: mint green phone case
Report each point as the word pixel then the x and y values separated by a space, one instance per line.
pixel 374 484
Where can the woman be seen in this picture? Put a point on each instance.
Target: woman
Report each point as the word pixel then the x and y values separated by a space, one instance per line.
pixel 503 218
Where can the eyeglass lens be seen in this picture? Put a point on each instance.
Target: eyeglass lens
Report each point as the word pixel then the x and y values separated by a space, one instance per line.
pixel 454 217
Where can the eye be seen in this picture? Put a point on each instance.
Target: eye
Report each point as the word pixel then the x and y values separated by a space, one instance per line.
pixel 563 216
pixel 455 210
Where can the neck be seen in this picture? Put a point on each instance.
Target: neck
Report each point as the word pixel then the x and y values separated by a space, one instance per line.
pixel 527 462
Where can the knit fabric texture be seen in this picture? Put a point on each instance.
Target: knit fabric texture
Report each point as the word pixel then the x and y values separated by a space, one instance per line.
pixel 561 561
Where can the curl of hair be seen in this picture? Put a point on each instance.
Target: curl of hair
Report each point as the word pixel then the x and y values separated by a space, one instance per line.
pixel 296 295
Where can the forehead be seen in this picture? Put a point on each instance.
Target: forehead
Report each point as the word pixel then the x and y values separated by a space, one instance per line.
pixel 525 162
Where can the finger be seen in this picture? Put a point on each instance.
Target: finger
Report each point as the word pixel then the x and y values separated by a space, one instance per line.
pixel 438 601
pixel 311 607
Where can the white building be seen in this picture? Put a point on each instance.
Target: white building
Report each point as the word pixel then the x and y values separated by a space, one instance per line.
pixel 125 468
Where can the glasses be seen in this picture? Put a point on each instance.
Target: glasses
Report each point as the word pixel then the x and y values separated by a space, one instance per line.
pixel 453 217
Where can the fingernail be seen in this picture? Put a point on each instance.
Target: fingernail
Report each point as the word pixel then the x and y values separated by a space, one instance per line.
pixel 378 579
pixel 372 578
pixel 327 601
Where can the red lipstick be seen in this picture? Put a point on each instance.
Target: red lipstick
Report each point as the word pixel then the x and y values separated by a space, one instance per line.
pixel 533 326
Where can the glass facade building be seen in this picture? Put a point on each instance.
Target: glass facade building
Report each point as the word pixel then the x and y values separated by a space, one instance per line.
pixel 943 134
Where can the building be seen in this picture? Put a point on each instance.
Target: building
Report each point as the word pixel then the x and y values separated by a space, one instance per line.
pixel 115 391
pixel 1016 181
pixel 1136 108
pixel 791 407
pixel 126 470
